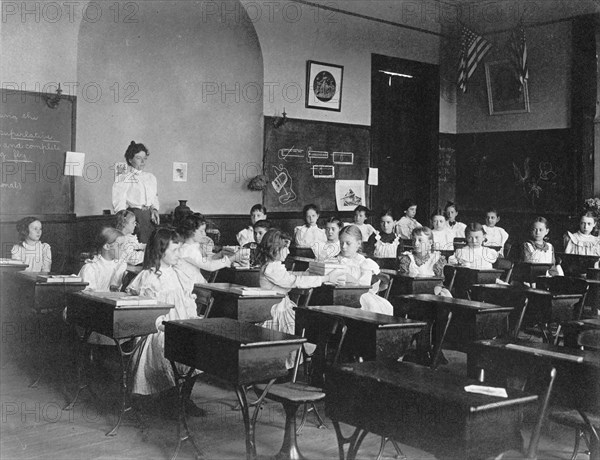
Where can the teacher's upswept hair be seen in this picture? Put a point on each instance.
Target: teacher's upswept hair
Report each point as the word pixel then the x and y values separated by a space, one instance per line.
pixel 134 149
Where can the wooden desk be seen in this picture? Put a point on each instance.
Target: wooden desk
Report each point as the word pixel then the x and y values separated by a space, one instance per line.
pixel 404 284
pixel 227 304
pixel 300 264
pixel 423 408
pixel 575 264
pixel 577 383
pixel 242 276
pixel 471 320
pixel 593 274
pixel 302 252
pixel 467 277
pixel 348 295
pixel 572 329
pixel 87 310
pixel 238 352
pixel 371 336
pixel 389 263
pixel 43 296
pixel 527 272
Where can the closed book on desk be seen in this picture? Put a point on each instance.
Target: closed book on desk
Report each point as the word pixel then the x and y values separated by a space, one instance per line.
pixel 122 300
pixel 323 268
pixel 59 278
pixel 10 262
pixel 250 291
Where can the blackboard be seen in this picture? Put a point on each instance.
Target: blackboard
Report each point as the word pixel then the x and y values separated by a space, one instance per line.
pixel 520 171
pixel 33 140
pixel 304 158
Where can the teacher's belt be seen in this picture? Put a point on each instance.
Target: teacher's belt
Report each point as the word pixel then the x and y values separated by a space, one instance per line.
pixel 143 208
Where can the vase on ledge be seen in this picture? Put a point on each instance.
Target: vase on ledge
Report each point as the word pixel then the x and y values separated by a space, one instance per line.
pixel 180 212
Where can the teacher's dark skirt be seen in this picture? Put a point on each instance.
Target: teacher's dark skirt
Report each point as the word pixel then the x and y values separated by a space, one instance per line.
pixel 145 227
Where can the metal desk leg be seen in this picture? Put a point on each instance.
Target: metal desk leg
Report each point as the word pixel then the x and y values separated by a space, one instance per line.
pixel 182 420
pixel 82 382
pixel 124 362
pixel 354 441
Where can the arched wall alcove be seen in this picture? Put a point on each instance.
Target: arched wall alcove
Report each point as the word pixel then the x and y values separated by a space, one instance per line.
pixel 185 80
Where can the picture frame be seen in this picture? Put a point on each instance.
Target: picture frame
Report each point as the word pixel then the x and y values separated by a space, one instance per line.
pixel 506 94
pixel 324 86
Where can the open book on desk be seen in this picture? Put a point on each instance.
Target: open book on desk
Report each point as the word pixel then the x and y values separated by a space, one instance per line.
pixel 59 278
pixel 121 299
pixel 252 291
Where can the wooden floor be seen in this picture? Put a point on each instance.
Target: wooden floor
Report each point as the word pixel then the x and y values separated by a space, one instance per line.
pixel 34 426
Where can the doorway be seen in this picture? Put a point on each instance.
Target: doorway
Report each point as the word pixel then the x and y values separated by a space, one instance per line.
pixel 404 133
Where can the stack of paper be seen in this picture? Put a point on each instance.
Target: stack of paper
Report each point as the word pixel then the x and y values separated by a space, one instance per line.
pixel 59 278
pixel 323 268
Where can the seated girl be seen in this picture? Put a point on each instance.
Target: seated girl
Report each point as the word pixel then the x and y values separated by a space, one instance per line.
pixel 360 270
pixel 260 228
pixel 443 236
pixel 583 242
pixel 31 250
pixel 131 250
pixel 474 254
pixel 451 213
pixel 331 247
pixel 308 234
pixel 384 243
pixel 407 222
pixel 361 213
pixel 162 280
pixel 539 251
pixel 272 252
pixel 192 258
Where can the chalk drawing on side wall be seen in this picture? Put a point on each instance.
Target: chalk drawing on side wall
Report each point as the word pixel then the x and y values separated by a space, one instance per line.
pixel 282 183
pixel 323 172
pixel 530 182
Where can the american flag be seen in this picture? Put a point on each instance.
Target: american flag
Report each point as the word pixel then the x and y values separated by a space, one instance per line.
pixel 473 49
pixel 518 53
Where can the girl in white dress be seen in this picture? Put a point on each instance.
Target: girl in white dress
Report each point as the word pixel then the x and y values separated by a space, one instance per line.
pixel 494 235
pixel 162 280
pixel 361 213
pixel 130 249
pixel 539 251
pixel 331 247
pixel 271 253
pixel 407 222
pixel 192 258
pixel 31 250
pixel 583 242
pixel 360 270
pixel 308 234
pixel 443 237
pixel 423 260
pixel 384 243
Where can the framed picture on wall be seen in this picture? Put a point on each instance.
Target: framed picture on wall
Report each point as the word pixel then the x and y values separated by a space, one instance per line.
pixel 505 92
pixel 324 86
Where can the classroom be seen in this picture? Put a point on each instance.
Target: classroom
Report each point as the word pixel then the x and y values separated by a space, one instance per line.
pixel 368 204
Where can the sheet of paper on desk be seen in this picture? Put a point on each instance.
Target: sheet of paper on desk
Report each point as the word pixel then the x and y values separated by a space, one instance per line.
pixel 483 390
pixel 10 262
pixel 250 291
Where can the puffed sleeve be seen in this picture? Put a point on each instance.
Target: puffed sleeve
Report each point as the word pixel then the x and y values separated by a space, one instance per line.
pixel 155 204
pixel 198 260
pixel 16 253
pixel 119 193
pixel 46 257
pixel 490 255
pixel 278 275
pixel 87 276
pixel 299 236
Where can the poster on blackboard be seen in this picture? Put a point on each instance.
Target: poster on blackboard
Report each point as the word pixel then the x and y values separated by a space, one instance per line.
pixel 349 194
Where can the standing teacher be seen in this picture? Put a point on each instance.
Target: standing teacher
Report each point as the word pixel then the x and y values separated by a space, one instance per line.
pixel 137 191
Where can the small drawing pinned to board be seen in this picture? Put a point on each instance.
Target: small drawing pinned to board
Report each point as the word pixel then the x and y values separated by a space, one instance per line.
pixel 343 158
pixel 282 183
pixel 316 155
pixel 284 154
pixel 349 194
pixel 323 172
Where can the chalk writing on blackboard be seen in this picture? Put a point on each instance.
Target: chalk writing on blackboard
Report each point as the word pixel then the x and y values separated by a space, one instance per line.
pixel 531 185
pixel 316 155
pixel 343 158
pixel 282 183
pixel 283 154
pixel 323 172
